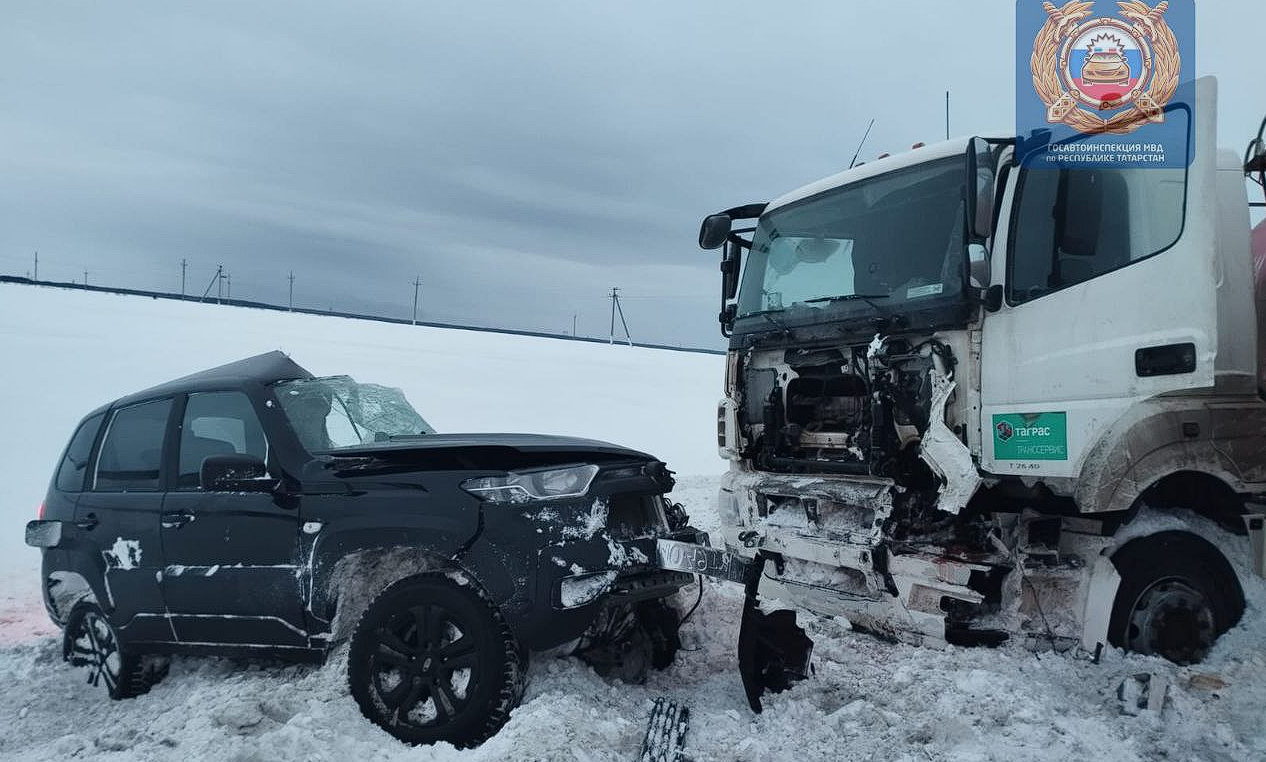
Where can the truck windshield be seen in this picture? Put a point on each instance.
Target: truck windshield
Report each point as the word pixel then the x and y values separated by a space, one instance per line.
pixel 328 413
pixel 890 239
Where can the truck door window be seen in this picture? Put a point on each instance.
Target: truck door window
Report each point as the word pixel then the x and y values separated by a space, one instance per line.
pixel 1073 225
pixel 132 453
pixel 74 465
pixel 217 423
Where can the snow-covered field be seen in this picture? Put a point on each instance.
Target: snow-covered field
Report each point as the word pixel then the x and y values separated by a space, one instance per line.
pixel 64 352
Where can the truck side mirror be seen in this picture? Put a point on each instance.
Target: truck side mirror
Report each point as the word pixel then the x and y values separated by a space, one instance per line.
pixel 978 267
pixel 715 231
pixel 235 473
pixel 730 265
pixel 981 175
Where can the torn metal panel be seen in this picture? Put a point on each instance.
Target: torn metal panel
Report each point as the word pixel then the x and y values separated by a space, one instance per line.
pixel 945 453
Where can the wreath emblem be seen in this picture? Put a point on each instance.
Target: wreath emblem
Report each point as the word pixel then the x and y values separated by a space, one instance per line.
pixel 1085 66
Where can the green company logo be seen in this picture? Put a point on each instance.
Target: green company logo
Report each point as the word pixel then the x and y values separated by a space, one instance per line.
pixel 1030 436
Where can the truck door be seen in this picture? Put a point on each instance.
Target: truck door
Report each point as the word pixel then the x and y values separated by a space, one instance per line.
pixel 231 556
pixel 1110 280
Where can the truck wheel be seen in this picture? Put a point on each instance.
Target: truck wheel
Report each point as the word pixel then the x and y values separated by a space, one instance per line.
pixel 89 640
pixel 432 661
pixel 1177 595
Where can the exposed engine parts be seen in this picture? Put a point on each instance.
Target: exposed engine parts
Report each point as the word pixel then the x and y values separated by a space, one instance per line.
pixel 854 410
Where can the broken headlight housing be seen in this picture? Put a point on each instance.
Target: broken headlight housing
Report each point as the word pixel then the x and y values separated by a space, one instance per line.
pixel 539 484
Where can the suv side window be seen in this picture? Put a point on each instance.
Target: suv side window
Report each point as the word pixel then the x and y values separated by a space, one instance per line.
pixel 131 456
pixel 217 423
pixel 1074 225
pixel 74 465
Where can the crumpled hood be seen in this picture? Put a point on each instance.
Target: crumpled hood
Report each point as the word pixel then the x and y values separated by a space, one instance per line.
pixel 526 444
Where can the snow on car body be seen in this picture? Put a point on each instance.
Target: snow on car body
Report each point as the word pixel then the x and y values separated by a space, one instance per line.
pixel 255 509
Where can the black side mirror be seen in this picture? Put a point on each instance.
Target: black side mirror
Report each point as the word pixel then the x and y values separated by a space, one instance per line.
pixel 714 231
pixel 992 300
pixel 235 473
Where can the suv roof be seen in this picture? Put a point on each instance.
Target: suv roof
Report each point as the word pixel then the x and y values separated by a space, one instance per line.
pixel 264 369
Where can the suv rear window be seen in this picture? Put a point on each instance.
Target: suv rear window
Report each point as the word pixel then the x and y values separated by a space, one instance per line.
pixel 132 454
pixel 74 465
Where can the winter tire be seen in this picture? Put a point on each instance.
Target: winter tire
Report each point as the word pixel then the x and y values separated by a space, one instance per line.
pixel 89 640
pixel 433 661
pixel 1177 595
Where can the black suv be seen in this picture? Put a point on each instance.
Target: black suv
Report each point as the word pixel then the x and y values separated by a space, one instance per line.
pixel 253 509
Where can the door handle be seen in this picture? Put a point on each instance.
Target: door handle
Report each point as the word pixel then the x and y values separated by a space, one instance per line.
pixel 176 520
pixel 88 523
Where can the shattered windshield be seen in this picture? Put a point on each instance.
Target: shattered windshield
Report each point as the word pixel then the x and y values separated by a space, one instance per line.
pixel 890 239
pixel 333 412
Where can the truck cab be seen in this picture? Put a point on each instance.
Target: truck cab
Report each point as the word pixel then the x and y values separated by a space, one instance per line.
pixel 968 401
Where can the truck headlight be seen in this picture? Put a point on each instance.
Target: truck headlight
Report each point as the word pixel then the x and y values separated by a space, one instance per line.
pixel 539 484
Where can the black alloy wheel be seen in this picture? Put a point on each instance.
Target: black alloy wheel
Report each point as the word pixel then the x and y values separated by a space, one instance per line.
pixel 90 641
pixel 433 661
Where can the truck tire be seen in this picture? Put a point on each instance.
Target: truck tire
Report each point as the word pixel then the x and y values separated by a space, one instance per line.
pixel 89 640
pixel 431 661
pixel 1177 595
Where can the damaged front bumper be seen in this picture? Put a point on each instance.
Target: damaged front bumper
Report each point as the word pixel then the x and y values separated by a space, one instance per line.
pixel 838 562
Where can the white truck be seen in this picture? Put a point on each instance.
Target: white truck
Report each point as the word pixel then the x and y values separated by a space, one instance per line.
pixel 968 402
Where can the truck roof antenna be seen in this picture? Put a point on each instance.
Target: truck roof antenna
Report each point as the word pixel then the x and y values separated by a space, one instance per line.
pixel 853 163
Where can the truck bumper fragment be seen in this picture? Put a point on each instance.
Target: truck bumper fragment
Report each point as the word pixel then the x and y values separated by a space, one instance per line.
pixel 773 651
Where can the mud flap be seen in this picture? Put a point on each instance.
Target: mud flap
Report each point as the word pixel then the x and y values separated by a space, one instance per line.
pixel 773 651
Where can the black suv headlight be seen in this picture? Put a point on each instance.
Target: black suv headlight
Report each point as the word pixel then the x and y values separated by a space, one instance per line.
pixel 538 484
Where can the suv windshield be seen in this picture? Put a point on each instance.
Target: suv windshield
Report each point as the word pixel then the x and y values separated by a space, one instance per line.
pixel 893 238
pixel 333 412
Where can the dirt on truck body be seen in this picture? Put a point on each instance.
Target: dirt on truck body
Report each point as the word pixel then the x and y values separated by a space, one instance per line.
pixel 970 402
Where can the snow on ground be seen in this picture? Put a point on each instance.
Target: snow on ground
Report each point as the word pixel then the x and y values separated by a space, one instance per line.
pixel 869 699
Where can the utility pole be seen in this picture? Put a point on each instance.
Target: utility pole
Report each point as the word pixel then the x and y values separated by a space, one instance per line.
pixel 85 277
pixel 184 264
pixel 37 266
pixel 615 307
pixel 228 286
pixel 573 324
pixel 292 290
pixel 219 283
pixel 417 284
pixel 215 281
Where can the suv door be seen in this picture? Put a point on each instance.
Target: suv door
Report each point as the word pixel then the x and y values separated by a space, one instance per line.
pixel 118 518
pixel 230 577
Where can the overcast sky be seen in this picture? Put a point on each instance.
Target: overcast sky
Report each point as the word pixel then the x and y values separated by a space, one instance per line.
pixel 521 157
